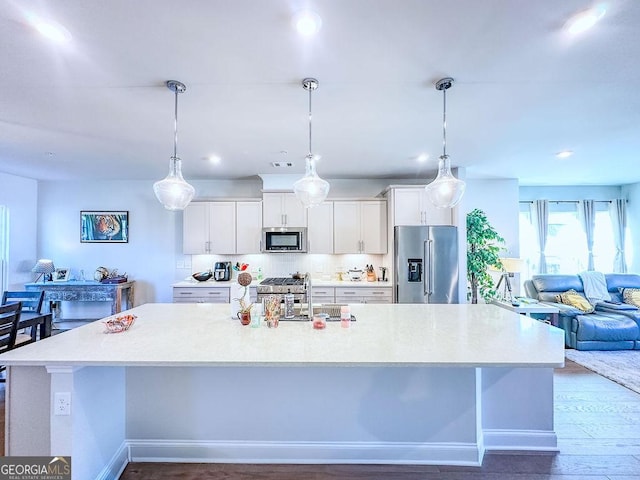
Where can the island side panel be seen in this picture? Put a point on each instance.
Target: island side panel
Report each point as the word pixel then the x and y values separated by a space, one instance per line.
pixel 27 411
pixel 517 409
pixel 98 413
pixel 304 414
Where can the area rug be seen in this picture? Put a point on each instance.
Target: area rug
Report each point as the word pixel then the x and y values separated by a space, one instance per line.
pixel 621 366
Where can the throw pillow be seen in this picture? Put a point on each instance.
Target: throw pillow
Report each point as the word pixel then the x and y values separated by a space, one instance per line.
pixel 631 296
pixel 573 298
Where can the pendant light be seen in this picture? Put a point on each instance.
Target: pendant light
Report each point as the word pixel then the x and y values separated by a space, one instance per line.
pixel 311 190
pixel 174 192
pixel 446 190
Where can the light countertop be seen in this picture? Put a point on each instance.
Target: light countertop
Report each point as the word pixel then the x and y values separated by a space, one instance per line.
pixel 210 283
pixel 383 335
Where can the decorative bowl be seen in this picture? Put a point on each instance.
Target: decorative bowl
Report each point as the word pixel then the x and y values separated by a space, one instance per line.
pixel 120 323
pixel 202 276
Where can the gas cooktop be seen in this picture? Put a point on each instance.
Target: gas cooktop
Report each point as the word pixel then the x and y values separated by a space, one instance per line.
pixel 282 281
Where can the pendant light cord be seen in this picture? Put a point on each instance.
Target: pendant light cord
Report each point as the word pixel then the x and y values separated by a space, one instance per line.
pixel 175 127
pixel 444 122
pixel 310 150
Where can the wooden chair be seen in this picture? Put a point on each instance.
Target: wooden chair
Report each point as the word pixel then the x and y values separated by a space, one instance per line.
pixel 9 319
pixel 31 302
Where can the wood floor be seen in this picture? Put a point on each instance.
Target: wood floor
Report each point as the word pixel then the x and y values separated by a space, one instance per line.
pixel 597 422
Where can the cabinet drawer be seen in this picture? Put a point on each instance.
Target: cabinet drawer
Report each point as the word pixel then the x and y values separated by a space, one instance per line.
pixel 363 291
pixel 201 295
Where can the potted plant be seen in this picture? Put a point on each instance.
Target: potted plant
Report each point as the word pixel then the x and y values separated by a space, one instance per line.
pixel 483 245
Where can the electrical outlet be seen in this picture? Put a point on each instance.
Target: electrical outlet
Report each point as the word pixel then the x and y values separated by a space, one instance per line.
pixel 62 403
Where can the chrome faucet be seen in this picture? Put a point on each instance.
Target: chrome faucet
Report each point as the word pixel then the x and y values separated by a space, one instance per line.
pixel 307 285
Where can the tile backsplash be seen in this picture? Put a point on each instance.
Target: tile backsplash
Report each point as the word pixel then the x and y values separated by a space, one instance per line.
pixel 284 264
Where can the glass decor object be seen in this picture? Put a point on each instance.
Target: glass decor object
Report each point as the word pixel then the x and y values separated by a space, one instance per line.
pixel 446 190
pixel 311 190
pixel 174 192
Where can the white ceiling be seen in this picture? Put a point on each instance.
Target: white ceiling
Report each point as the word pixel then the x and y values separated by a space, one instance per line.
pixel 98 108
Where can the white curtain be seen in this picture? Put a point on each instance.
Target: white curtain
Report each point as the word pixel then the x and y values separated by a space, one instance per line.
pixel 587 213
pixel 542 224
pixel 618 212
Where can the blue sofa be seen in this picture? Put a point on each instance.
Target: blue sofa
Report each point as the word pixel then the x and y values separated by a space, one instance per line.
pixel 612 326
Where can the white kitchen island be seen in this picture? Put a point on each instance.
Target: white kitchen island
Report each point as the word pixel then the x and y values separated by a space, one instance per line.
pixel 414 384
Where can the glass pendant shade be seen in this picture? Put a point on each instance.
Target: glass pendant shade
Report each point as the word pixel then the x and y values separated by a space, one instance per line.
pixel 311 190
pixel 174 192
pixel 446 190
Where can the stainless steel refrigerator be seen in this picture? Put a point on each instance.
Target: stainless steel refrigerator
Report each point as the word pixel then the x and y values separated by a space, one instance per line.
pixel 426 264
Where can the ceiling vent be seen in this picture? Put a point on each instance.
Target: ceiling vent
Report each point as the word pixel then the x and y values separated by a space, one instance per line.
pixel 282 164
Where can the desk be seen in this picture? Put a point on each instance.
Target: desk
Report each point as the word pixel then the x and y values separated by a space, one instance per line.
pixel 529 308
pixel 87 291
pixel 35 319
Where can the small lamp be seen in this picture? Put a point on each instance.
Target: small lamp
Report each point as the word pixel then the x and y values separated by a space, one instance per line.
pixel 510 266
pixel 43 267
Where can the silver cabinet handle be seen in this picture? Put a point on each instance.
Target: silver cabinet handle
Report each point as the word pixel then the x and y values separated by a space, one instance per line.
pixel 185 293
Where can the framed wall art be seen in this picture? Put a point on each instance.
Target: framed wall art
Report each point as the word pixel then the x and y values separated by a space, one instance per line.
pixel 60 275
pixel 104 227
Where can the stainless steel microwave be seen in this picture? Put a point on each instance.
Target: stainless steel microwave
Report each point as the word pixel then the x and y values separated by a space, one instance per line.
pixel 284 240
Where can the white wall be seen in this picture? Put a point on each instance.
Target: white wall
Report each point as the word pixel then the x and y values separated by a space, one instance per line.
pixel 591 192
pixel 20 196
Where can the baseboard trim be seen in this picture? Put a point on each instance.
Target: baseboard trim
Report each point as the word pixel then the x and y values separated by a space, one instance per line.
pixel 409 453
pixel 520 440
pixel 117 463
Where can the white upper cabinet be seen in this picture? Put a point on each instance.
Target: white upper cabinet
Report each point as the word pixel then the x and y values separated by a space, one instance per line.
pixel 195 228
pixel 209 228
pixel 320 230
pixel 360 227
pixel 411 206
pixel 248 227
pixel 282 210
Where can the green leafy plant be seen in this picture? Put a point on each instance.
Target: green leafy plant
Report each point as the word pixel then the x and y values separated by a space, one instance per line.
pixel 483 246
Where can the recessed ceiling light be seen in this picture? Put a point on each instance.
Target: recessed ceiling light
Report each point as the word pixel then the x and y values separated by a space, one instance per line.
pixel 564 154
pixel 50 29
pixel 585 20
pixel 423 157
pixel 215 159
pixel 307 23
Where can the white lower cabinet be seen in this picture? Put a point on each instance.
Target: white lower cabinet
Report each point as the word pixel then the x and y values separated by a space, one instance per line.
pixel 363 295
pixel 201 295
pixel 323 294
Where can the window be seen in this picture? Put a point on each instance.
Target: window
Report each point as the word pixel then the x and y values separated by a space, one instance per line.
pixel 566 251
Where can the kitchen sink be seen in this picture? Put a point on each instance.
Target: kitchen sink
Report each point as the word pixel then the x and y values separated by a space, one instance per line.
pixel 331 309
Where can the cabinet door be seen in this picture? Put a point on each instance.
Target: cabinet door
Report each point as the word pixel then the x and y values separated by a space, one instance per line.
pixel 195 229
pixel 346 227
pixel 411 206
pixel 373 216
pixel 248 227
pixel 433 215
pixel 222 227
pixel 407 204
pixel 295 214
pixel 320 231
pixel 272 214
